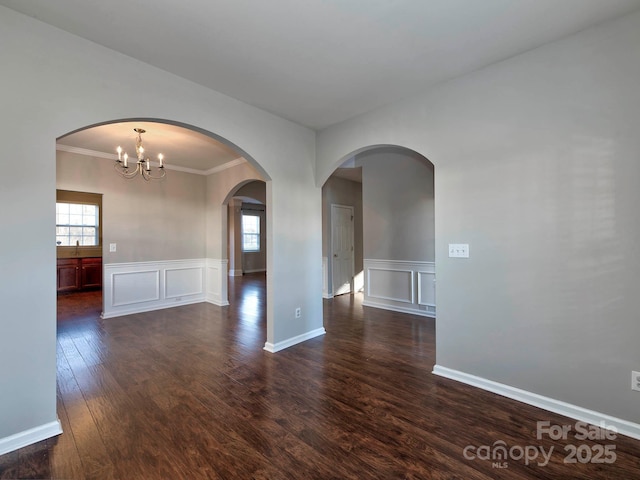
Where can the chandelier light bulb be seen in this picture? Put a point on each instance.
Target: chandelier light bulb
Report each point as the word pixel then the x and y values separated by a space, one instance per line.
pixel 143 166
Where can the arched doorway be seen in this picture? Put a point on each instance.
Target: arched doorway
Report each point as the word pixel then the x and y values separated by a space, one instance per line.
pixel 390 192
pixel 162 244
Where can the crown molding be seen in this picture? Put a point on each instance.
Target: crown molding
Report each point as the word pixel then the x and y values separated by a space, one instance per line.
pixel 112 156
pixel 224 166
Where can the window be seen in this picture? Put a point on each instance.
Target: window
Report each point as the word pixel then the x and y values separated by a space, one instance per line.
pixel 250 233
pixel 77 224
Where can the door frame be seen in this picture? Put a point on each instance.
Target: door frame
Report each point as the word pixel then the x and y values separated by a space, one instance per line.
pixel 331 216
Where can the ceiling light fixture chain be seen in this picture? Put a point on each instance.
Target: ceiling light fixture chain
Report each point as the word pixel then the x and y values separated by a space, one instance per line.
pixel 143 165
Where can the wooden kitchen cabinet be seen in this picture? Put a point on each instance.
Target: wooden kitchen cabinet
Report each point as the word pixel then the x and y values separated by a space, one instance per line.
pixel 76 274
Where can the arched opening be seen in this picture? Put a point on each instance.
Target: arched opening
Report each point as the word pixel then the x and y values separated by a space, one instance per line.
pixel 379 230
pixel 247 249
pixel 163 242
pixel 246 227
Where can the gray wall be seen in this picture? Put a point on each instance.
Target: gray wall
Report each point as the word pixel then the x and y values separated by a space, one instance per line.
pixel 157 220
pixel 255 261
pixel 54 83
pixel 398 205
pixel 256 190
pixel 340 191
pixel 537 168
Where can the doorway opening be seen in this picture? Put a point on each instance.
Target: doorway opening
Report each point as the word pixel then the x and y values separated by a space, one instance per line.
pixel 161 244
pixel 246 207
pixel 342 249
pixel 379 230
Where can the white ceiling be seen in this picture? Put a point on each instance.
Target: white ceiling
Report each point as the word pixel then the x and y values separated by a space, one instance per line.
pixel 317 62
pixel 183 148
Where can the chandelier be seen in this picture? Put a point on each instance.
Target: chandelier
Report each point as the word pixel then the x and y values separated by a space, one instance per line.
pixel 142 166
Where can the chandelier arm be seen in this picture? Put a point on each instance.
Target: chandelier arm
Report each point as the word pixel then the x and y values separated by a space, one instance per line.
pixel 142 167
pixel 128 172
pixel 148 175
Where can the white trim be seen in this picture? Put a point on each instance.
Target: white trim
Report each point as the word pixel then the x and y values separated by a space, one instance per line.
pixel 197 291
pixel 224 166
pixel 391 295
pixel 432 280
pixel 410 298
pixel 325 278
pixel 258 270
pixel 112 290
pixel 374 261
pixel 28 437
pixel 623 427
pixel 149 308
pixel 85 151
pixel 273 348
pixel 152 292
pixel 217 282
pixel 395 308
pixel 112 156
pixel 207 283
pixel 235 272
pixel 353 252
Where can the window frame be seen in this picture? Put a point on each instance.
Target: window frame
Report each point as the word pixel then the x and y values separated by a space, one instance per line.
pixel 256 235
pixel 81 198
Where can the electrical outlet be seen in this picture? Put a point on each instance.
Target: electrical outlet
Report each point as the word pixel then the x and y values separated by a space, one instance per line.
pixel 298 312
pixel 635 381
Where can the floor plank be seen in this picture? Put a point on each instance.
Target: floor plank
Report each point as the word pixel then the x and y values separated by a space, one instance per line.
pixel 189 392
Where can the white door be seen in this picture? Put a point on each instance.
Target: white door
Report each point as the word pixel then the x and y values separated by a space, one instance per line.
pixel 341 249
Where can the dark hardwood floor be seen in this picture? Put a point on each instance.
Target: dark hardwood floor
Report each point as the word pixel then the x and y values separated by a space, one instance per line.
pixel 189 393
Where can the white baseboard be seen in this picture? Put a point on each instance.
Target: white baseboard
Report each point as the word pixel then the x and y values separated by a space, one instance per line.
pixel 623 427
pixel 273 348
pixel 235 273
pixel 259 270
pixel 28 437
pixel 217 302
pixel 328 296
pixel 151 308
pixel 394 308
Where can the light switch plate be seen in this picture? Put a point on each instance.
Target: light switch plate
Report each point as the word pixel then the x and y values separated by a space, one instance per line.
pixel 112 247
pixel 459 250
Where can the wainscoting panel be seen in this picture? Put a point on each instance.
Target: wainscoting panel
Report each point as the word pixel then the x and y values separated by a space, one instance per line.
pixel 143 286
pixel 180 282
pixel 400 285
pixel 135 287
pixel 216 280
pixel 390 284
pixel 427 288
